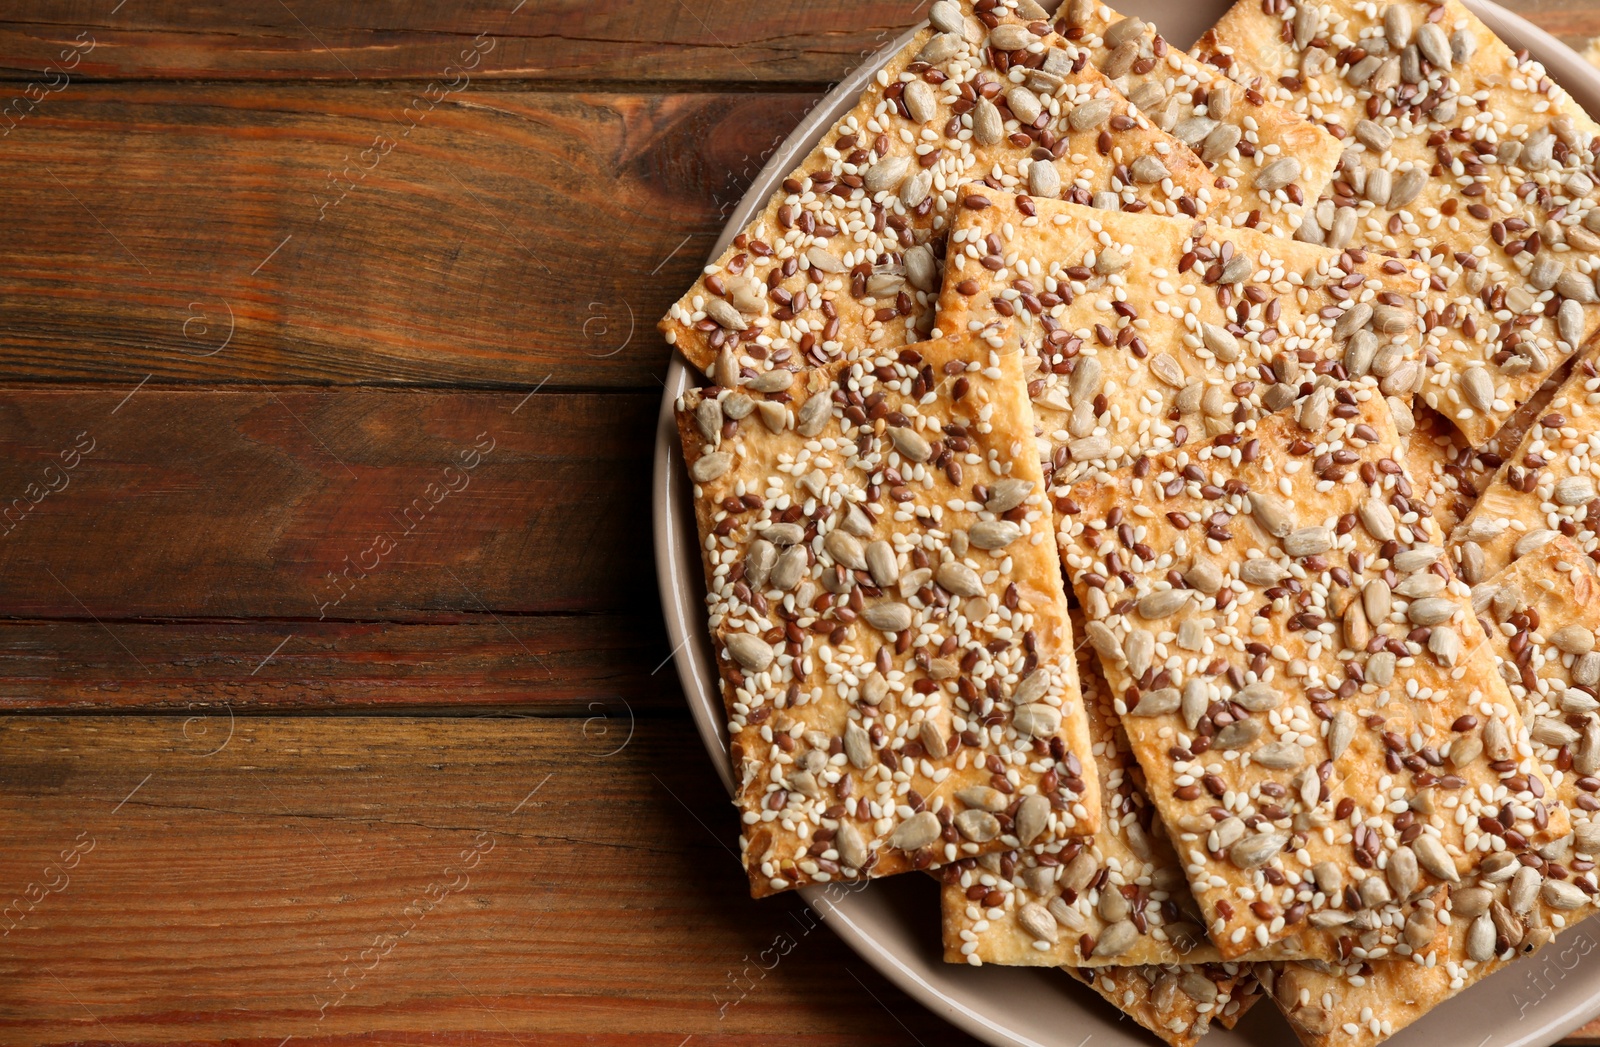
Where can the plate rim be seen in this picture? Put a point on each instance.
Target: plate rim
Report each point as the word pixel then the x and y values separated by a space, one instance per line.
pixel 680 584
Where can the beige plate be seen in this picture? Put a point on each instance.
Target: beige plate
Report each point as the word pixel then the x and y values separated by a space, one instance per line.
pixel 894 924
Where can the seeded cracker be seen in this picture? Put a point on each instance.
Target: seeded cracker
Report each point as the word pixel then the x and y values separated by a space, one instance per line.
pixel 1151 332
pixel 1292 683
pixel 889 616
pixel 846 257
pixel 1159 999
pixel 1542 613
pixel 1431 168
pixel 1545 488
pixel 1273 163
pixel 1118 898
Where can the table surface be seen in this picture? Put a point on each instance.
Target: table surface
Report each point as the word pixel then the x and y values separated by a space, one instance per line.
pixel 339 707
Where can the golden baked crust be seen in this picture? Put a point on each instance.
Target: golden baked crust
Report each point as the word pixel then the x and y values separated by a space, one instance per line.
pixel 1147 333
pixel 889 616
pixel 1441 164
pixel 1238 134
pixel 1310 674
pixel 1176 1002
pixel 844 259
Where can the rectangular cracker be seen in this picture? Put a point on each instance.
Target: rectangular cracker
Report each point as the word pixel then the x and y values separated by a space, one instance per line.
pixel 1507 257
pixel 1052 904
pixel 1132 320
pixel 1542 613
pixel 884 638
pixel 1521 508
pixel 844 259
pixel 1238 134
pixel 1158 997
pixel 1278 585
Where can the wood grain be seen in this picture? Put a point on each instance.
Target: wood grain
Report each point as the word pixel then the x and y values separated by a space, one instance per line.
pixel 335 504
pixel 663 43
pixel 279 885
pixel 608 667
pixel 333 235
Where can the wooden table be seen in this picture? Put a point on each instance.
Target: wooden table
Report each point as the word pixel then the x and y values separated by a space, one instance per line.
pixel 340 705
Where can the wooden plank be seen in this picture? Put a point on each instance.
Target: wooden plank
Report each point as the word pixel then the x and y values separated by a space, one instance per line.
pixel 446 881
pixel 334 235
pixel 1576 22
pixel 332 504
pixel 610 667
pixel 560 40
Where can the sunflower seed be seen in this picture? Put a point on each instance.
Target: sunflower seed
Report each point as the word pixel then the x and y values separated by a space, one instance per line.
pixel 1431 611
pixel 1401 380
pixel 1380 668
pixel 1377 186
pixel 1407 188
pixel 983 798
pixel 1010 37
pixel 1374 135
pixel 1434 45
pixel 1308 541
pixel 1007 494
pixel 1236 735
pixel 1351 320
pixel 1261 572
pixel 890 617
pixel 1341 731
pixel 1162 603
pixel 991 535
pixel 1357 630
pixel 1373 892
pixel 1480 940
pixel 1090 448
pixel 987 126
pixel 1574 490
pixel 1192 132
pixel 915 832
pixel 1587 760
pixel 1044 180
pixel 1220 341
pixel 1257 850
pixel 1147 95
pixel 1478 388
pixel 1434 859
pixel 1397 26
pixel 1110 261
pixel 1586 837
pixel 1552 732
pixel 910 443
pixel 758 562
pixel 1103 640
pixel 1524 890
pixel 1573 284
pixel 1204 576
pixel 1138 649
pixel 921 101
pixel 1219 142
pixel 751 652
pixel 1533 541
pixel 789 568
pixel 1024 105
pixel 1157 703
pixel 1387 77
pixel 711 466
pixel 922 269
pixel 940 49
pixel 1575 702
pixel 1194 701
pixel 1258 697
pixel 726 315
pixel 1036 919
pixel 1445 644
pixel 1032 817
pixel 1148 170
pixel 814 414
pixel 947 17
pixel 1089 115
pixel 980 827
pixel 1307 23
pixel 1278 174
pixel 1271 514
pixel 1558 894
pixel 1279 756
pixel 1037 720
pixel 1116 939
pixel 1419 585
pixel 1120 61
pixel 1362 72
pixel 1387 319
pixel 913 191
pixel 1359 353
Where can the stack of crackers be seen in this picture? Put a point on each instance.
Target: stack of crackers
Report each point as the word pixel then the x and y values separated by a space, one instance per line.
pixel 1155 493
